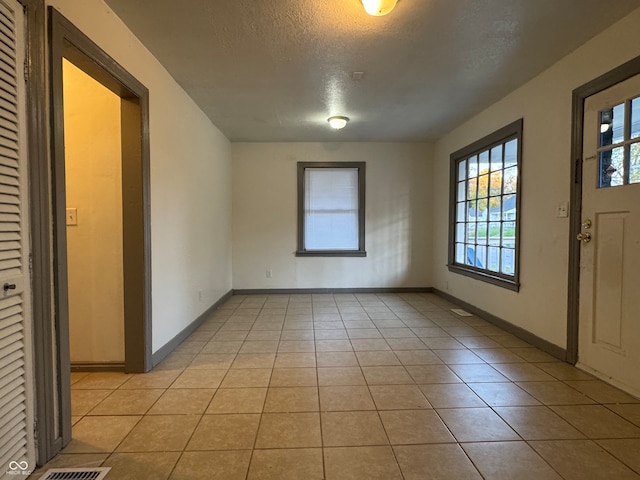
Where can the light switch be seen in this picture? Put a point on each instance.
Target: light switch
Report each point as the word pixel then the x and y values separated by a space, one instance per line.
pixel 72 216
pixel 563 210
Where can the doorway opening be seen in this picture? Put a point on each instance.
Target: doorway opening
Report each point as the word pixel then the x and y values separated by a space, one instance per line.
pixel 72 48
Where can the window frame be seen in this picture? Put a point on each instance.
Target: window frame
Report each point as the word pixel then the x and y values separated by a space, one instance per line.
pixel 499 137
pixel 360 252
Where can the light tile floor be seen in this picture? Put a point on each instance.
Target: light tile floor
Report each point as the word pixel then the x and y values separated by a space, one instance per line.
pixel 352 387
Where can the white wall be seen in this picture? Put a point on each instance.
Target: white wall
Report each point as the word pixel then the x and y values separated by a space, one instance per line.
pixel 398 217
pixel 545 105
pixel 93 177
pixel 190 180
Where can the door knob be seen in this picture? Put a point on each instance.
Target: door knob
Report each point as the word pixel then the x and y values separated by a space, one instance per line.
pixel 9 286
pixel 584 237
pixel 586 224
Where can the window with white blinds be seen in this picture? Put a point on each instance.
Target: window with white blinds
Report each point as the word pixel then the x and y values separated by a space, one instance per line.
pixel 16 409
pixel 331 208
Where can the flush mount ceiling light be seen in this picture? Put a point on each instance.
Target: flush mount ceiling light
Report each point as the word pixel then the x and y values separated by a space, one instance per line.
pixel 378 8
pixel 337 122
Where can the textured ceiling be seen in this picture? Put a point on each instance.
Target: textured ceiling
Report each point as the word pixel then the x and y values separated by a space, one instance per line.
pixel 275 70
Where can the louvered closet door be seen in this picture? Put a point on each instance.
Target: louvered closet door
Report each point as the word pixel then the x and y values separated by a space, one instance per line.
pixel 16 399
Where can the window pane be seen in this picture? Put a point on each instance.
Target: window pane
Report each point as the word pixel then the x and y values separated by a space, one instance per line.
pixel 481 257
pixel 471 211
pixel 331 209
pixel 461 191
pixel 481 233
pixel 612 125
pixel 634 163
pixel 508 261
pixel 471 255
pixel 483 162
pixel 462 170
pixel 472 186
pixel 459 253
pixel 510 180
pixel 635 118
pixel 493 262
pixel 460 215
pixel 473 167
pixel 495 183
pixel 482 209
pixel 494 233
pixel 460 231
pixel 496 158
pixel 471 232
pixel 495 208
pixel 509 207
pixel 511 153
pixel 612 168
pixel 483 183
pixel 509 234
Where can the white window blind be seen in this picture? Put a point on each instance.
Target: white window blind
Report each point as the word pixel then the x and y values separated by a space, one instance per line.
pixel 331 209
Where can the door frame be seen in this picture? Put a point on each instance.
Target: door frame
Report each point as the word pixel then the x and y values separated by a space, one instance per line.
pixel 67 41
pixel 579 95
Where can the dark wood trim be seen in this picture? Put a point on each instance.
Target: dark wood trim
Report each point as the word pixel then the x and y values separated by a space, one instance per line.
pixel 525 335
pixel 579 95
pixel 307 291
pixel 171 345
pixel 504 134
pixel 97 367
pixel 46 377
pixel 362 171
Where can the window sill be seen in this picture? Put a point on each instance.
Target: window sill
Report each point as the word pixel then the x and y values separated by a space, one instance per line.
pixel 331 253
pixel 499 281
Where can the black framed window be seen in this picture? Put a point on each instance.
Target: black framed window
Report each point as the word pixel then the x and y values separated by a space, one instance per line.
pixel 331 209
pixel 485 208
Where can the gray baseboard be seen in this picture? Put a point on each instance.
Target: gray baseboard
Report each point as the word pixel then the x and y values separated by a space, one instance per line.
pixel 97 366
pixel 298 291
pixel 548 347
pixel 171 345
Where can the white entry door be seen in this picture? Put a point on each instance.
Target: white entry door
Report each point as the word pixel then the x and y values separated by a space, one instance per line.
pixel 609 343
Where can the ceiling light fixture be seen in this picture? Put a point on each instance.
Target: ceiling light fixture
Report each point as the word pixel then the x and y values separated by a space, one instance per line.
pixel 378 8
pixel 337 122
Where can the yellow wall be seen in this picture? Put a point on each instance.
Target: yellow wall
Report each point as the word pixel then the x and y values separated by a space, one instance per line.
pixel 94 248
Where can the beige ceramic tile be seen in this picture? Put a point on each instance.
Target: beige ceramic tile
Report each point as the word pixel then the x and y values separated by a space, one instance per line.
pixel 337 334
pixel 336 359
pixel 340 376
pixel 581 459
pixel 451 395
pixel 154 379
pixel 418 357
pixel 352 429
pixel 502 394
pixel 289 430
pixel 563 371
pixel 406 427
pixel 100 434
pixel 296 346
pixel 294 377
pixel 398 397
pixel 509 460
pixel 458 356
pixel 225 432
pixel 602 392
pixel 538 423
pixel 142 466
pixel 523 372
pixel 387 375
pixel 625 450
pixel 102 381
pixel 210 361
pixel 212 465
pixel 221 347
pixel 292 399
pixel 196 378
pixel 435 462
pixel 254 360
pixel 478 373
pixel 630 412
pixel 287 464
pixel 83 401
pixel 238 400
pixel 377 358
pixel 187 401
pixel 497 355
pixel 257 334
pixel 344 398
pixel 127 402
pixel 596 421
pixel 477 425
pixel 360 463
pixel 160 433
pixel 369 344
pixel 555 393
pixel 246 378
pixel 432 374
pixel 289 360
